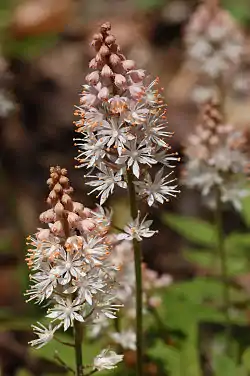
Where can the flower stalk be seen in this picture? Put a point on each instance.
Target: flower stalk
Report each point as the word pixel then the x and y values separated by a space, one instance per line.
pixel 223 267
pixel 138 276
pixel 78 348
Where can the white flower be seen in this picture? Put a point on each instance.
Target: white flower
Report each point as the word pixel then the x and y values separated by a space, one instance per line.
pixel 137 230
pixel 66 311
pixel 157 190
pixel 126 338
pixel 44 334
pixel 107 360
pixel 68 265
pixel 134 154
pixel 106 182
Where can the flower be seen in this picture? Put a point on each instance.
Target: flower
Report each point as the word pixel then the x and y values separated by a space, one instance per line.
pixel 217 159
pixel 107 360
pixel 69 261
pixel 137 230
pixel 126 338
pixel 124 129
pixel 157 190
pixel 44 334
pixel 214 41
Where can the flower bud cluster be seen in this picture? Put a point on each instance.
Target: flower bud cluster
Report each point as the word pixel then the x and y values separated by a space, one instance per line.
pixel 152 285
pixel 216 157
pixel 122 118
pixel 214 41
pixel 69 261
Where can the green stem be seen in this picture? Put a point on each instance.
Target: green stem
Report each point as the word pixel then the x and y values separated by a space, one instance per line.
pixel 223 264
pixel 138 276
pixel 78 348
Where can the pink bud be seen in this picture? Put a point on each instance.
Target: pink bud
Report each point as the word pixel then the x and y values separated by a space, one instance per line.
pixel 66 199
pixel 57 228
pixel 114 59
pixel 136 91
pixel 58 188
pixel 43 234
pixel 104 50
pixel 86 225
pixel 92 78
pixel 93 64
pixel 106 71
pixel 128 64
pixel 155 301
pixel 77 207
pixel 103 94
pixel 73 218
pixel 120 81
pixel 59 209
pixel 98 58
pixel 110 39
pixel 98 37
pixel 87 212
pixel 48 216
pixel 137 75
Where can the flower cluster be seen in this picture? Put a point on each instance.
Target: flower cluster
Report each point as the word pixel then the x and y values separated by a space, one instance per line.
pixel 152 285
pixel 69 262
pixel 216 158
pixel 214 41
pixel 122 118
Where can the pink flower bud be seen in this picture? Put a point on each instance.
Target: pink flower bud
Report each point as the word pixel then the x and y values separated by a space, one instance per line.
pixel 114 59
pixel 43 234
pixel 57 228
pixel 93 77
pixel 98 37
pixel 86 225
pixel 59 209
pixel 103 94
pixel 128 64
pixel 136 91
pixel 105 27
pixel 73 218
pixel 110 39
pixel 48 216
pixel 98 58
pixel 52 195
pixel 93 64
pixel 58 188
pixel 106 71
pixel 66 199
pixel 120 81
pixel 104 50
pixel 137 75
pixel 77 207
pixel 87 212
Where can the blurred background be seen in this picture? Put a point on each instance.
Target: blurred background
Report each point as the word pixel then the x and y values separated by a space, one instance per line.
pixel 44 54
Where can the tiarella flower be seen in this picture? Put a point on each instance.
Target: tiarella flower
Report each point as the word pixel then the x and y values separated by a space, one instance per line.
pixel 106 182
pixel 123 128
pixel 69 261
pixel 158 189
pixel 126 339
pixel 107 360
pixel 137 230
pixel 67 311
pixel 216 158
pixel 214 41
pixel 44 334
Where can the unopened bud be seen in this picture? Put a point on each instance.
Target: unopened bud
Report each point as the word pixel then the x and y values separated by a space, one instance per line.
pixel 59 209
pixel 128 64
pixel 120 81
pixel 106 71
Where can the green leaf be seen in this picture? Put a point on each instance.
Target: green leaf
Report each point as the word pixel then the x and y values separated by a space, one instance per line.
pixel 167 355
pixel 195 230
pixel 237 243
pixel 246 359
pixel 225 366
